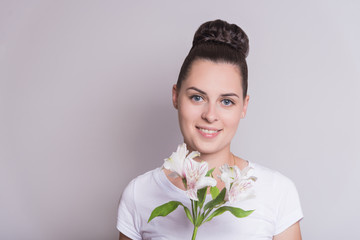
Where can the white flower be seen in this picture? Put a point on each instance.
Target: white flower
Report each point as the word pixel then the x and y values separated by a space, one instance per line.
pixel 175 163
pixel 229 174
pixel 237 183
pixel 195 177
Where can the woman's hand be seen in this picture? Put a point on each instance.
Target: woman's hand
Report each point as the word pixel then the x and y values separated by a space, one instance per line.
pixel 291 233
pixel 123 237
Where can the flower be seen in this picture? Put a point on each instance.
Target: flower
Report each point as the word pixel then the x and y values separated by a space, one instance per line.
pixel 196 179
pixel 193 174
pixel 229 174
pixel 175 163
pixel 237 183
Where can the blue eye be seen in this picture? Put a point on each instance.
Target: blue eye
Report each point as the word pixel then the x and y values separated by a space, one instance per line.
pixel 197 98
pixel 227 102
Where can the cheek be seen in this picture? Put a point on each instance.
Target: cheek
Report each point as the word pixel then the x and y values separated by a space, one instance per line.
pixel 232 119
pixel 188 113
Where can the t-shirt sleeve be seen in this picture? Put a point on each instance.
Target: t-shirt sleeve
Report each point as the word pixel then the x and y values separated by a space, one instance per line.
pixel 127 221
pixel 289 209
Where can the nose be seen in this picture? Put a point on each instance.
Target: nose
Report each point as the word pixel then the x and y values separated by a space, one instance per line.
pixel 209 113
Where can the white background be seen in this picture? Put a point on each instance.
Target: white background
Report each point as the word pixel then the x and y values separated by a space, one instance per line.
pixel 85 106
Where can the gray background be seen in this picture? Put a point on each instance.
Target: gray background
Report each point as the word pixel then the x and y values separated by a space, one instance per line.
pixel 85 106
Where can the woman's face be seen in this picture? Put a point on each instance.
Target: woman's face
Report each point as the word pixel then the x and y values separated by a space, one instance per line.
pixel 210 105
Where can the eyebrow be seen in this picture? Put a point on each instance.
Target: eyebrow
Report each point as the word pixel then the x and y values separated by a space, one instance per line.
pixel 202 92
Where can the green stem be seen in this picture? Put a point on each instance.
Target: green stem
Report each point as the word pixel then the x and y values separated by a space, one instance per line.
pixel 207 213
pixel 192 209
pixel 196 209
pixel 194 233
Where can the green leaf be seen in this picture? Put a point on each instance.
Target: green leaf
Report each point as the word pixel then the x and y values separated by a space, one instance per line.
pixel 201 194
pixel 214 192
pixel 237 212
pixel 164 210
pixel 188 214
pixel 217 201
pixel 209 173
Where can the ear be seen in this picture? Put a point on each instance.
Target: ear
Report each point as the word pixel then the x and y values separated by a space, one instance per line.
pixel 246 103
pixel 175 96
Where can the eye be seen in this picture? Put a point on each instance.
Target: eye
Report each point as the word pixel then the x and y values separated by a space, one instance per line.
pixel 197 98
pixel 227 102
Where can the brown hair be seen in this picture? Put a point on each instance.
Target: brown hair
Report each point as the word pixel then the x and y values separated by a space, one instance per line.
pixel 218 41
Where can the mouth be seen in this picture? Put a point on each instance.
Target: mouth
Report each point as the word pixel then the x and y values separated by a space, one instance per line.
pixel 208 132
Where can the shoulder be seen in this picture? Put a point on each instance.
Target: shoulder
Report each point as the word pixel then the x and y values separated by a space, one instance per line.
pixel 135 192
pixel 269 175
pixel 279 194
pixel 272 182
pixel 146 177
pixel 130 214
pixel 141 181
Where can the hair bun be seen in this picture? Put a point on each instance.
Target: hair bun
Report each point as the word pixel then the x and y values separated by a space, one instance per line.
pixel 219 31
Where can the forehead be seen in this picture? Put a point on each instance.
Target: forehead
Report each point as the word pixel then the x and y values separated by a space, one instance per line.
pixel 212 76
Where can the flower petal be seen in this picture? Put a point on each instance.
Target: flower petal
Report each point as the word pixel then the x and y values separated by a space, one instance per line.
pixel 175 163
pixel 205 182
pixel 196 179
pixel 193 154
pixel 238 185
pixel 192 194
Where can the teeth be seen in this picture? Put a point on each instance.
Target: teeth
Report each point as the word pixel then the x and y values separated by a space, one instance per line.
pixel 208 131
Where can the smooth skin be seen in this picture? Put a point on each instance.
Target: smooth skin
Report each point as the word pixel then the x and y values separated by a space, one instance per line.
pixel 291 233
pixel 123 237
pixel 210 106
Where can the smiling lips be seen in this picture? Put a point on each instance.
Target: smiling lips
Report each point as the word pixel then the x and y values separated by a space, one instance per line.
pixel 208 133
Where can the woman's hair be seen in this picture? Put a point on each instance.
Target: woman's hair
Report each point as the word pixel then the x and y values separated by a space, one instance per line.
pixel 218 41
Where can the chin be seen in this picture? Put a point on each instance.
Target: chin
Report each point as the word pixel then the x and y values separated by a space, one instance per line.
pixel 207 148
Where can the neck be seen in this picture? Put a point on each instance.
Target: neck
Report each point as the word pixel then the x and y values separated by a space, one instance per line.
pixel 215 160
pixel 225 156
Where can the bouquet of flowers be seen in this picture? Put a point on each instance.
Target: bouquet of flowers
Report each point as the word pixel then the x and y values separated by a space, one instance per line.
pixel 197 179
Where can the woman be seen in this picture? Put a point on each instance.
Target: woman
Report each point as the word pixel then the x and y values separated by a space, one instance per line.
pixel 211 98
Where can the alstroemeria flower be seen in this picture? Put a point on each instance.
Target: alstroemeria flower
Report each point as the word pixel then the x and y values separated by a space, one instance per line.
pixel 229 174
pixel 195 177
pixel 175 163
pixel 237 183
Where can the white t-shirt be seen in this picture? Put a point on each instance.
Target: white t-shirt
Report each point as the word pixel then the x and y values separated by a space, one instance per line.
pixel 276 205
